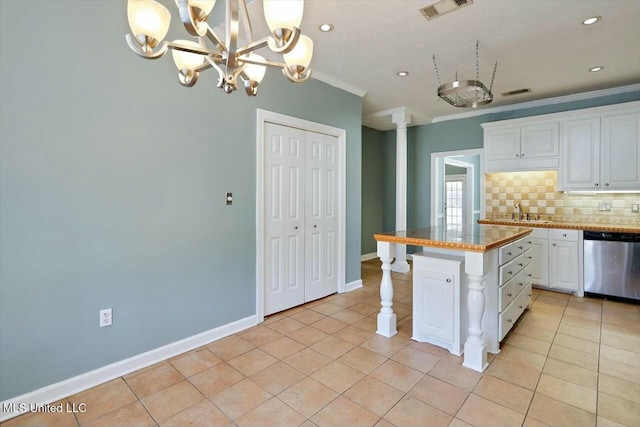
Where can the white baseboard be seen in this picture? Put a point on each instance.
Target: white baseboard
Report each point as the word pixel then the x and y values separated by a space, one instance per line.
pixel 367 257
pixel 352 286
pixel 62 389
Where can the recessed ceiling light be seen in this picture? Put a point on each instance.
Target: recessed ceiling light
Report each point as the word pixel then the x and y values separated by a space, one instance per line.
pixel 591 20
pixel 596 69
pixel 326 28
pixel 403 73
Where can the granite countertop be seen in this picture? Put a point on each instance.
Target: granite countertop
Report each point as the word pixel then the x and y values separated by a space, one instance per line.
pixel 590 226
pixel 470 237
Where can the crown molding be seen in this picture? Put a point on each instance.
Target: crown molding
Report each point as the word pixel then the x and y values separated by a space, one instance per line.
pixel 340 84
pixel 541 102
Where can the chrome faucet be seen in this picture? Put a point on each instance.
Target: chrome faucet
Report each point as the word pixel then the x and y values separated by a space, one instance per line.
pixel 517 214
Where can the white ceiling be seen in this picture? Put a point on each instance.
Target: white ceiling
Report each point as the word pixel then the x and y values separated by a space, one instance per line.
pixel 539 44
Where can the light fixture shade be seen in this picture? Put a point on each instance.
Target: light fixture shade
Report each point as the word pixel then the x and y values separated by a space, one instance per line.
pixel 148 18
pixel 253 71
pixel 187 60
pixel 283 13
pixel 301 55
pixel 204 5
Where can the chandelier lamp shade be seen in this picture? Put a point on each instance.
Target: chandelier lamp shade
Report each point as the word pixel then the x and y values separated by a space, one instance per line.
pixel 236 65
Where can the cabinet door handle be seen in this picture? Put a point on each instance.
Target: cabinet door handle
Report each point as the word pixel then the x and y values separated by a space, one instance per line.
pixel 554 244
pixel 517 155
pixel 448 280
pixel 596 184
pixel 564 234
pixel 315 226
pixel 295 228
pixel 522 154
pixel 606 184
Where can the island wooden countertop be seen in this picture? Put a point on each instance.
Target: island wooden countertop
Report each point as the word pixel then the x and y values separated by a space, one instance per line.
pixel 614 228
pixel 470 237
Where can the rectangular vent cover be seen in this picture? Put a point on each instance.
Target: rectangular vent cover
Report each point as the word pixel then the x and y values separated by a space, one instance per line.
pixel 443 6
pixel 516 92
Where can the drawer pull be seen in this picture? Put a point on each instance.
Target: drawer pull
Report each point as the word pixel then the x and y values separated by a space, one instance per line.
pixel 509 253
pixel 564 234
pixel 448 280
pixel 606 184
pixel 596 184
pixel 554 244
pixel 528 295
pixel 510 272
pixel 295 228
pixel 509 320
pixel 520 264
pixel 529 257
pixel 519 247
pixel 520 307
pixel 530 275
pixel 508 295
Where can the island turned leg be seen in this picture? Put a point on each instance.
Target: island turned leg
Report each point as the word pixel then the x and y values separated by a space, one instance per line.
pixel 475 348
pixel 386 317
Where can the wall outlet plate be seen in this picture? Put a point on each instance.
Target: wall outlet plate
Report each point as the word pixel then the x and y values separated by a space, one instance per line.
pixel 635 207
pixel 605 206
pixel 106 317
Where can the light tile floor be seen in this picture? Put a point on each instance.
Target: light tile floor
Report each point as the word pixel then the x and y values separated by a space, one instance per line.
pixel 569 362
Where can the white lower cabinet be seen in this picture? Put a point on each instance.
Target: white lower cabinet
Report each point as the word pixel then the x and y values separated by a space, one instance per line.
pixel 564 260
pixel 540 262
pixel 439 301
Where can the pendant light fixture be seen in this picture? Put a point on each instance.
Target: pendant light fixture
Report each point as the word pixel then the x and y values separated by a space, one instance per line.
pixel 149 22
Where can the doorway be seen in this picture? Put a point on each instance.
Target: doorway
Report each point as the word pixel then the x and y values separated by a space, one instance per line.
pixel 300 256
pixel 464 169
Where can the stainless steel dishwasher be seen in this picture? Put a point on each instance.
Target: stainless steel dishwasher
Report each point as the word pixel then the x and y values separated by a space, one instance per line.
pixel 612 264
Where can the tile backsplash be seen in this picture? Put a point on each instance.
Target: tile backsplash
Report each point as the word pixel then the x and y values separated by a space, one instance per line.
pixel 537 194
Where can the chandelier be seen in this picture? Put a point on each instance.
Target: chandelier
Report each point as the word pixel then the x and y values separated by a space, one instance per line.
pixel 466 93
pixel 149 22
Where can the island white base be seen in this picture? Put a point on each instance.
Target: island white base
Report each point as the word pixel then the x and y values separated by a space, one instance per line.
pixel 440 291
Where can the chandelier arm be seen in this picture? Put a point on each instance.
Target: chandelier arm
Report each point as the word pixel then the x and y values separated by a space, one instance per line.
pixel 191 49
pixel 244 60
pixel 286 47
pixel 211 35
pixel 232 35
pixel 251 47
pixel 245 18
pixel 191 23
pixel 219 70
pixel 298 78
pixel 146 54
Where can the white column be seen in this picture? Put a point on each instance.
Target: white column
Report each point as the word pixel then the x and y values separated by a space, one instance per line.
pixel 401 120
pixel 386 317
pixel 475 348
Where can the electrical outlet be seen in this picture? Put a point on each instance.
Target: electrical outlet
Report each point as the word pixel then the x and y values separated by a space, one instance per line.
pixel 635 207
pixel 605 206
pixel 106 317
pixel 229 199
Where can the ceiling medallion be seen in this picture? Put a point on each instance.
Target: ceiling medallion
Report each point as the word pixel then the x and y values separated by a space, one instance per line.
pixel 466 93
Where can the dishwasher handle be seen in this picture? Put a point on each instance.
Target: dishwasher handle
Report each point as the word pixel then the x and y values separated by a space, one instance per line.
pixel 608 236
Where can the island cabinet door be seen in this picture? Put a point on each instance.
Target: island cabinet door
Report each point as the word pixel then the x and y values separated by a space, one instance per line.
pixel 301 217
pixel 435 292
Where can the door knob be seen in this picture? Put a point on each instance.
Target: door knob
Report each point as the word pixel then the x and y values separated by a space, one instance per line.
pixel 295 228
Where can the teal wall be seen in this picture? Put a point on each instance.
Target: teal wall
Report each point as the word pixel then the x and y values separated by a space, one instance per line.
pixel 454 170
pixel 112 185
pixel 372 186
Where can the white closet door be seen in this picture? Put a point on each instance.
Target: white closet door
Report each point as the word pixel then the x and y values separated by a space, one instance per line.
pixel 284 217
pixel 321 216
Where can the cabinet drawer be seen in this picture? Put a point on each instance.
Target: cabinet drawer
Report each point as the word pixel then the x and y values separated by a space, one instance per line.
pixel 539 233
pixel 519 283
pixel 566 235
pixel 527 258
pixel 510 251
pixel 506 294
pixel 527 274
pixel 522 300
pixel 510 270
pixel 506 320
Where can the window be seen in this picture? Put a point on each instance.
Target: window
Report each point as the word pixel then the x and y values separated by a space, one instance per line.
pixel 454 200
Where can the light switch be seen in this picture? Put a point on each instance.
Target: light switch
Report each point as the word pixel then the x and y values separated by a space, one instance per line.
pixel 229 199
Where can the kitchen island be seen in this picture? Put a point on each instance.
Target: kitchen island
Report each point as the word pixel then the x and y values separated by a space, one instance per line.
pixel 482 248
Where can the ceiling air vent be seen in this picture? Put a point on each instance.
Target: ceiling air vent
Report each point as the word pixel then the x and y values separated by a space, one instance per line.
pixel 516 92
pixel 443 6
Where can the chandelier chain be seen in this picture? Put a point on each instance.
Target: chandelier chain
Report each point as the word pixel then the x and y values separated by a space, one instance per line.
pixel 477 60
pixel 436 67
pixel 495 67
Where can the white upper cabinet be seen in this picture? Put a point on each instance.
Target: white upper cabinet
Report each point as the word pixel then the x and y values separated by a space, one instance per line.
pixel 527 147
pixel 601 153
pixel 580 169
pixel 621 152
